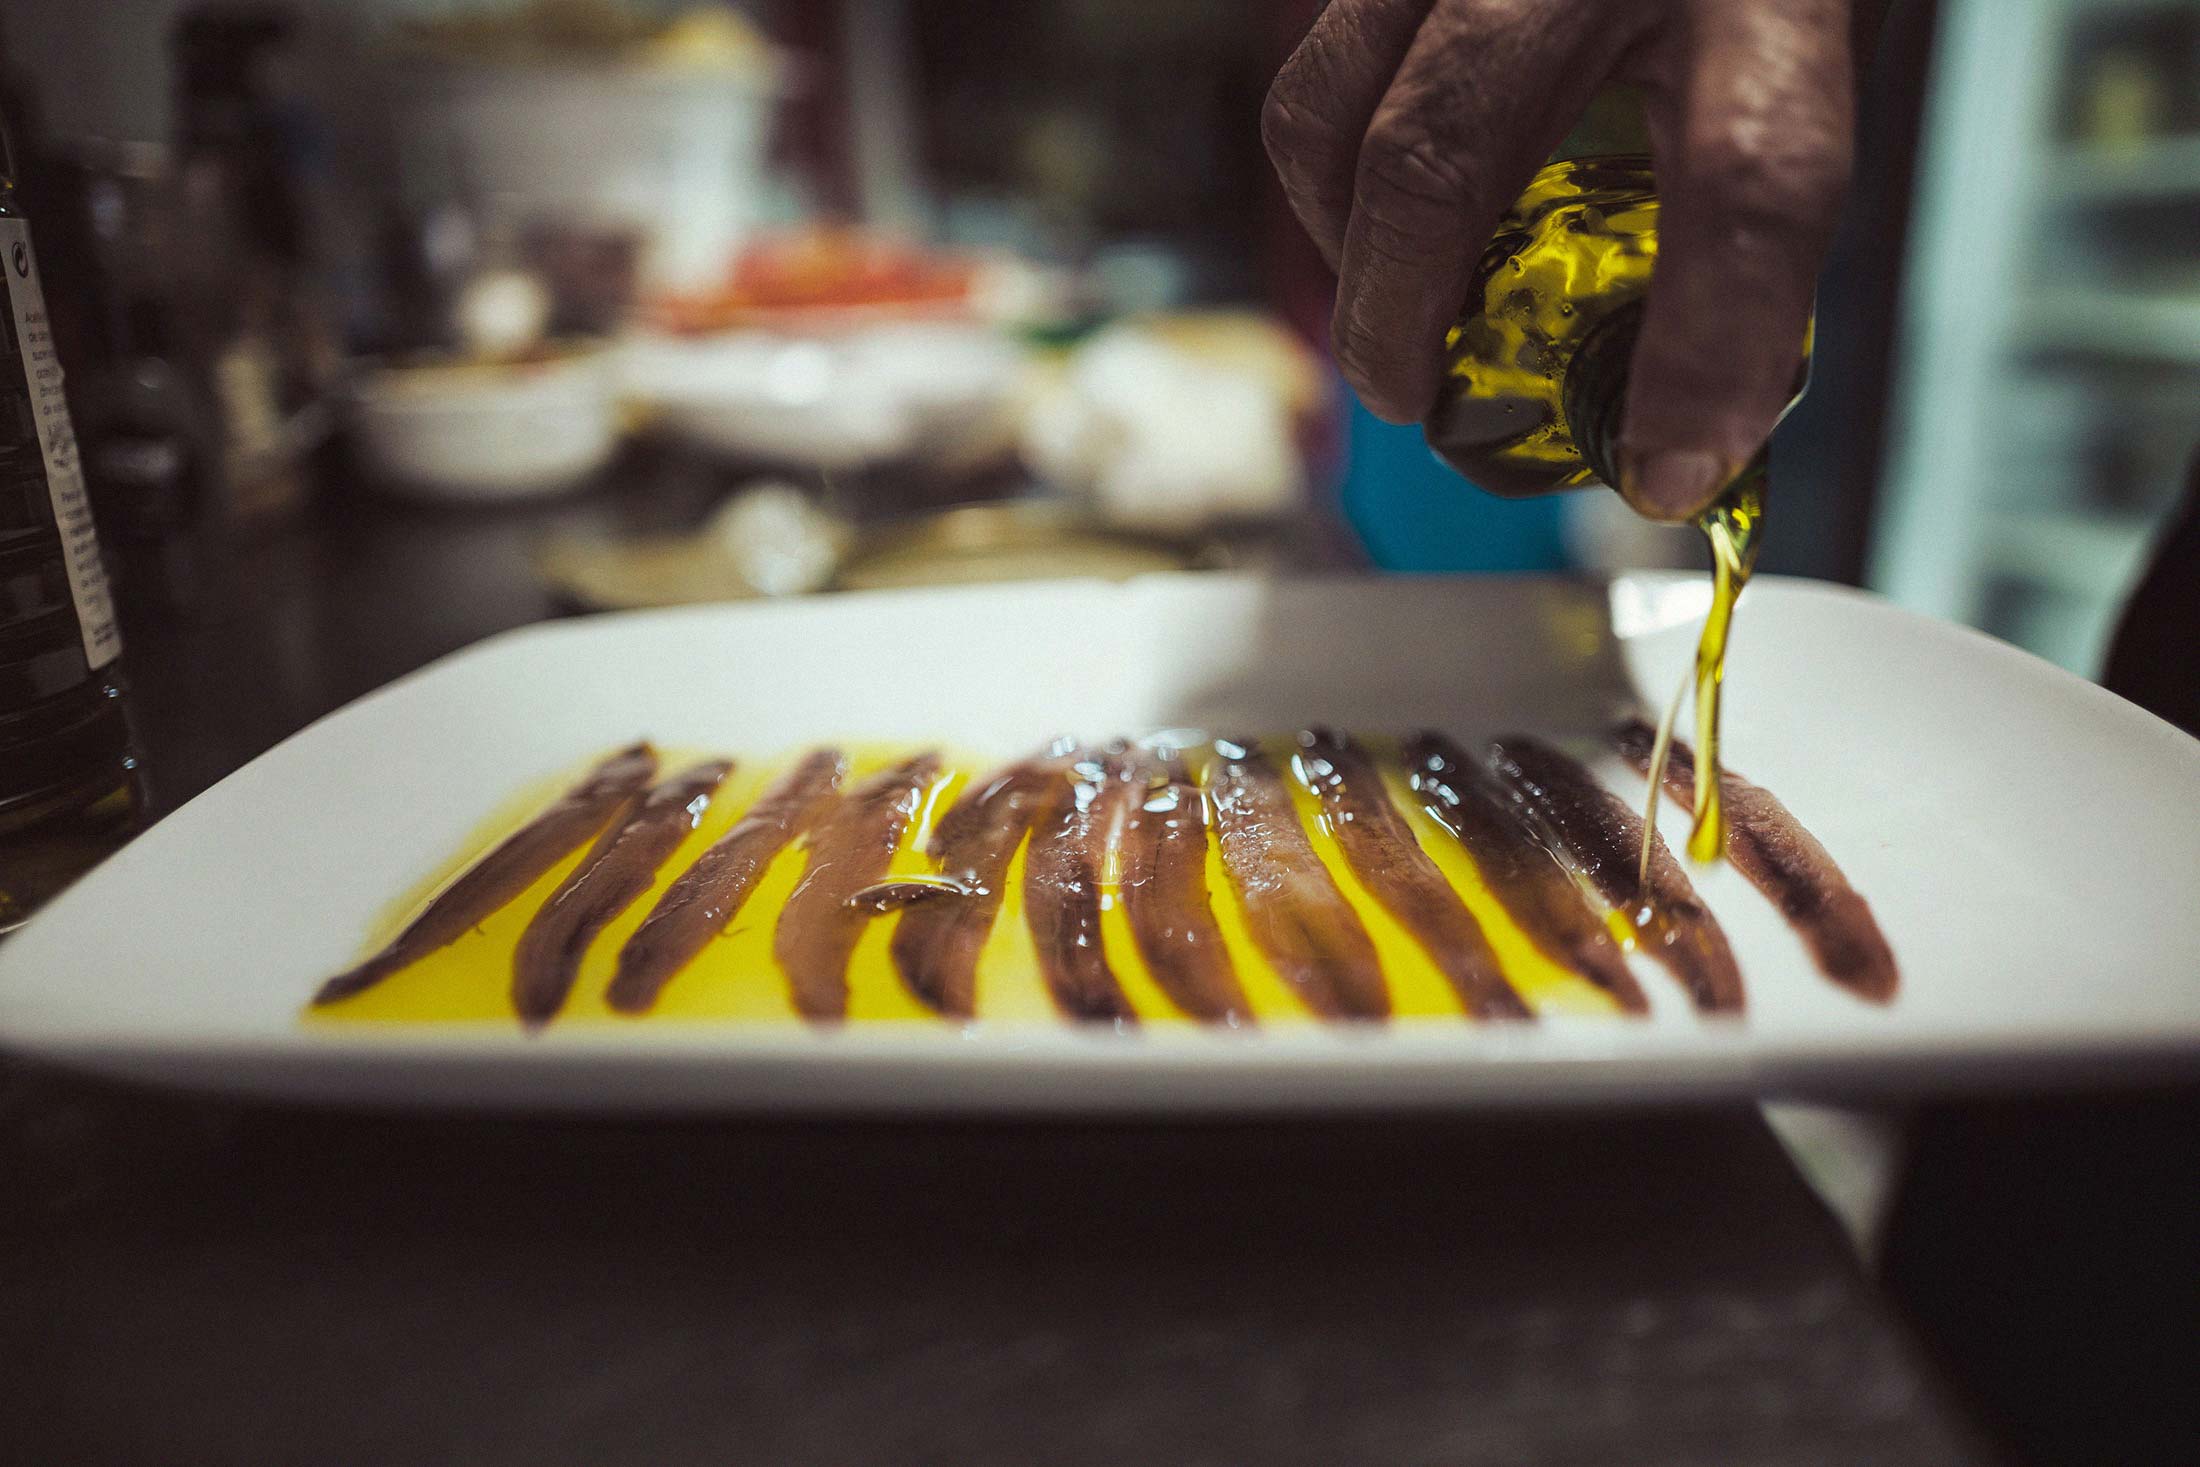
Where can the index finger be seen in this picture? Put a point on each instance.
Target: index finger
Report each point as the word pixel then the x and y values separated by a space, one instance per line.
pixel 1487 90
pixel 1753 158
pixel 1320 103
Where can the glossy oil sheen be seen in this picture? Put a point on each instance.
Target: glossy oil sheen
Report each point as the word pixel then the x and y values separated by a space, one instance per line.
pixel 1576 249
pixel 737 979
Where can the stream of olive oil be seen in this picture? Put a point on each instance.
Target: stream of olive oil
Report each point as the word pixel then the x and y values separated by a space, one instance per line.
pixel 738 979
pixel 1734 529
pixel 1534 388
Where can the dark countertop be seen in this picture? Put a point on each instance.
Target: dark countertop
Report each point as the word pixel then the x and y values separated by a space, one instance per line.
pixel 195 1280
pixel 294 1286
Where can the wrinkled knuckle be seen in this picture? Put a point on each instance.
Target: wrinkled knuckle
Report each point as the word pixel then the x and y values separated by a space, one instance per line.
pixel 1411 180
pixel 1377 366
pixel 1285 130
pixel 1365 357
pixel 1787 190
pixel 1355 346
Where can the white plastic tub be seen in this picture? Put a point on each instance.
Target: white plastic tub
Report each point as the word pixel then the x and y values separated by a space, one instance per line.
pixel 676 154
pixel 487 434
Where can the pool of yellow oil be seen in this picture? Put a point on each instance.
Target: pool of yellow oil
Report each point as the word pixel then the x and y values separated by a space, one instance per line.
pixel 737 979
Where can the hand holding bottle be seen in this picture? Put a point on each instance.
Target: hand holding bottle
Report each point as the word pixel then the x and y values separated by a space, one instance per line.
pixel 1403 130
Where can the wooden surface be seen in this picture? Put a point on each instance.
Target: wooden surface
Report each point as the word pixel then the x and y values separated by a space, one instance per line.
pixel 186 1280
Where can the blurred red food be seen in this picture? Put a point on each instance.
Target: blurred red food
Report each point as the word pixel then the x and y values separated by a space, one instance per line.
pixel 822 270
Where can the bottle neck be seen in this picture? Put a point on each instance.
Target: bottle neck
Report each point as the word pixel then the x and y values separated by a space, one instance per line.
pixel 1594 399
pixel 7 164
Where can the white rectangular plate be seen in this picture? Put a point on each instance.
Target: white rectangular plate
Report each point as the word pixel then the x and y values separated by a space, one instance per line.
pixel 2030 843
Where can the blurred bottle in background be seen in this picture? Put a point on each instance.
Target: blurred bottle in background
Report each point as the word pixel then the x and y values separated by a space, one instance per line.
pixel 149 436
pixel 239 257
pixel 69 786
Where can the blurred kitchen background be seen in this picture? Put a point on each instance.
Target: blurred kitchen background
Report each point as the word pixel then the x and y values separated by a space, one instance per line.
pixel 636 302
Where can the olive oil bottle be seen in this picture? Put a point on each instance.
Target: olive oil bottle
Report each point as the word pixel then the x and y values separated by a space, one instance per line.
pixel 69 788
pixel 1535 386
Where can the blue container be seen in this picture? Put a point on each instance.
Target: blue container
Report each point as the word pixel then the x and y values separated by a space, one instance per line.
pixel 1414 513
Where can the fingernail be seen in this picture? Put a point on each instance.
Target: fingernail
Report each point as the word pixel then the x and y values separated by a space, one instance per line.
pixel 1673 484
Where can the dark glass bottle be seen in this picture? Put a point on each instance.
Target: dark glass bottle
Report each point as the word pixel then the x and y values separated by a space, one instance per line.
pixel 69 786
pixel 1536 374
pixel 1535 368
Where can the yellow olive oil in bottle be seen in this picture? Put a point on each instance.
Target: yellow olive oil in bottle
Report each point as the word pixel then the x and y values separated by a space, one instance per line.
pixel 1536 376
pixel 69 790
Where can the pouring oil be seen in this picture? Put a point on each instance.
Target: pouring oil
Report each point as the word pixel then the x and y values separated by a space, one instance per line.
pixel 1731 526
pixel 1535 386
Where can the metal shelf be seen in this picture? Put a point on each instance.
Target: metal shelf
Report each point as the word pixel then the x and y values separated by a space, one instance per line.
pixel 2129 327
pixel 2087 555
pixel 2163 171
pixel 2029 412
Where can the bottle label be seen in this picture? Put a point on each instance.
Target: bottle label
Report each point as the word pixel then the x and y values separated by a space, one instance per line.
pixel 72 509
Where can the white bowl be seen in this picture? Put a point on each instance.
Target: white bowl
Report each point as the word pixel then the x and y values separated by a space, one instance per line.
pixel 678 153
pixel 483 434
pixel 884 394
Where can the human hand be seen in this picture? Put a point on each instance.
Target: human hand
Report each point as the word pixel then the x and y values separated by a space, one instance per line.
pixel 1403 129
